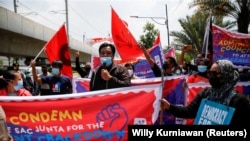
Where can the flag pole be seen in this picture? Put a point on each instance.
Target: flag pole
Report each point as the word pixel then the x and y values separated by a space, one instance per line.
pixel 162 83
pixel 39 53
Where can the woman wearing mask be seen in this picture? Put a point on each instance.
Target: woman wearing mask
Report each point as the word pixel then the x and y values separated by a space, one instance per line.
pixel 109 75
pixel 170 66
pixel 222 78
pixel 201 75
pixel 11 84
pixel 130 67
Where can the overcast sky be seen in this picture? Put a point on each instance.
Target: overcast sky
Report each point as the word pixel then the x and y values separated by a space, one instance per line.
pixel 92 18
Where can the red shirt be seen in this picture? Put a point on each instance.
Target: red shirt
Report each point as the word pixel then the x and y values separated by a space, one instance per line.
pixel 21 92
pixel 195 78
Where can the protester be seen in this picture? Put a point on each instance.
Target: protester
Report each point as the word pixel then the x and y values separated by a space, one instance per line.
pixel 222 78
pixel 170 66
pixel 11 84
pixel 15 67
pixel 59 84
pixel 130 67
pixel 109 74
pixel 86 72
pixel 201 76
pixel 44 88
pixel 29 84
pixel 191 67
pixel 4 132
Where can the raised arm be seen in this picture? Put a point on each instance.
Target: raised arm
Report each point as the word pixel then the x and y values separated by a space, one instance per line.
pixel 80 71
pixel 183 51
pixel 147 56
pixel 36 78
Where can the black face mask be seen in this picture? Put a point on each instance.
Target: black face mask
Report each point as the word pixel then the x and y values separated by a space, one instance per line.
pixel 165 65
pixel 215 82
pixel 87 68
pixel 44 71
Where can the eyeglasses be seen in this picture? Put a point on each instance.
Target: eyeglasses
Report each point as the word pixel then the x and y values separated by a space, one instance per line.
pixel 213 73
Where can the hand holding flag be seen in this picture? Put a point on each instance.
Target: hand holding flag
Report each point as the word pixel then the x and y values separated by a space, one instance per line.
pixel 57 49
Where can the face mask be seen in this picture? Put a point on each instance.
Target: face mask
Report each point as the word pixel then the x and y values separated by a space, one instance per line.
pixel 202 68
pixel 215 82
pixel 55 71
pixel 106 61
pixel 87 68
pixel 27 75
pixel 19 85
pixel 44 71
pixel 130 72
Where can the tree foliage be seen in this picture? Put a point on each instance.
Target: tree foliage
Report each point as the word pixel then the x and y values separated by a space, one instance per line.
pixel 239 10
pixel 193 30
pixel 150 34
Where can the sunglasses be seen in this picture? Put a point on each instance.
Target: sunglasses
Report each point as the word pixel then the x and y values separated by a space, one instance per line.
pixel 213 73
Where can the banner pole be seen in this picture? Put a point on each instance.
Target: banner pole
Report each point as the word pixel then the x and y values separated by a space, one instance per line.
pixel 162 83
pixel 39 53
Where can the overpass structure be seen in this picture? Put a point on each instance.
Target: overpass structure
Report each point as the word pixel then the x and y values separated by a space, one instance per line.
pixel 24 38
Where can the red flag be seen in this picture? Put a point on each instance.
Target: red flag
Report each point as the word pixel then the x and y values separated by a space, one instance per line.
pixel 123 39
pixel 57 49
pixel 157 40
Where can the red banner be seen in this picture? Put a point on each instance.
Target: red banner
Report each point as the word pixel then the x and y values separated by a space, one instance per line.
pixel 99 115
pixel 57 49
pixel 231 46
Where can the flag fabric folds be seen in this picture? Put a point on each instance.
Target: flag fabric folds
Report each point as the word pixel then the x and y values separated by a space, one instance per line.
pixel 142 68
pixel 57 49
pixel 123 39
pixel 170 53
pixel 207 47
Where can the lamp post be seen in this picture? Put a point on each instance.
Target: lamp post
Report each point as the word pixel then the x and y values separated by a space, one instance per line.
pixel 153 19
pixel 67 18
pixel 66 14
pixel 166 22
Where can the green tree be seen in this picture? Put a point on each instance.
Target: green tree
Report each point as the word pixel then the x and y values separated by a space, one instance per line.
pixel 237 9
pixel 194 30
pixel 150 33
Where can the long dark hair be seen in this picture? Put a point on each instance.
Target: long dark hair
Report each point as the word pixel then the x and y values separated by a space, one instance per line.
pixel 7 76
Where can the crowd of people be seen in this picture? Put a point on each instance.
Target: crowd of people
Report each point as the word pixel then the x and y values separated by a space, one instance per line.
pixel 108 75
pixel 221 75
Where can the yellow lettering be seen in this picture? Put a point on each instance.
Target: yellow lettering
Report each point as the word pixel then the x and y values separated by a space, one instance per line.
pixel 14 120
pixel 54 115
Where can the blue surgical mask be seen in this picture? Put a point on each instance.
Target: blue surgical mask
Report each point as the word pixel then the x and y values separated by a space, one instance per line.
pixel 106 61
pixel 202 68
pixel 55 71
pixel 19 85
pixel 27 75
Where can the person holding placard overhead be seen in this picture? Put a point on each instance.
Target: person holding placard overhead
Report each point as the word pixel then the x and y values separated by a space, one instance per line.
pixel 219 104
